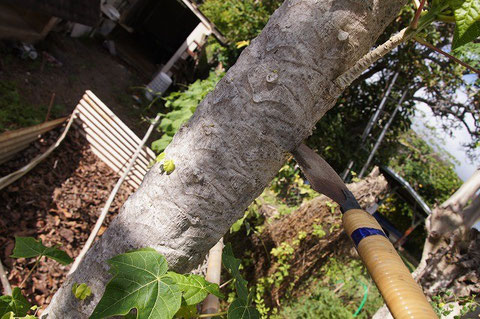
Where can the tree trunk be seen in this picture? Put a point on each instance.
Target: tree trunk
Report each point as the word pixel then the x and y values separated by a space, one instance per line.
pixel 236 141
pixel 451 254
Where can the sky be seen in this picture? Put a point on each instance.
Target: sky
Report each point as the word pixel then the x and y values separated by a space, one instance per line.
pixel 424 120
pixel 453 144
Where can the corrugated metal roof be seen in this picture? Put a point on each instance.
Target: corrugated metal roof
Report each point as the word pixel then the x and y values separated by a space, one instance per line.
pixel 406 190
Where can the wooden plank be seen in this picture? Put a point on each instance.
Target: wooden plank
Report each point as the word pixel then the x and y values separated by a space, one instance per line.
pixel 119 126
pixel 107 150
pixel 104 133
pixel 116 137
pixel 32 129
pixel 7 180
pixel 100 151
pixel 12 142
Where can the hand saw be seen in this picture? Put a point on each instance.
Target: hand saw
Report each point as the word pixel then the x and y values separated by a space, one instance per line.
pixel 403 296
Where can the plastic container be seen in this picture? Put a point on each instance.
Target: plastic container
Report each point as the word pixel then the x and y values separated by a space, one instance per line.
pixel 160 83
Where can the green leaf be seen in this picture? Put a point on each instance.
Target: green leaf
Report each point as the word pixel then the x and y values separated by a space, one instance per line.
pixel 161 144
pixel 15 303
pixel 467 18
pixel 232 264
pixel 81 291
pixel 160 157
pixel 195 288
pixel 239 309
pixel 28 247
pixel 168 166
pixel 187 312
pixel 8 315
pixel 140 281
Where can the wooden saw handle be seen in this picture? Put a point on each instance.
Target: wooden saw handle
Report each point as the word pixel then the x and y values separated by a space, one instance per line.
pixel 401 293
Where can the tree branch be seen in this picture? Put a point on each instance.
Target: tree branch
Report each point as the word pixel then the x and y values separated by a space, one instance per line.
pixel 355 71
pixel 414 23
pixel 425 43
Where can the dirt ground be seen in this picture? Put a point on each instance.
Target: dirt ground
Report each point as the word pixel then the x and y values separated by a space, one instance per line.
pixel 60 199
pixel 58 202
pixel 84 64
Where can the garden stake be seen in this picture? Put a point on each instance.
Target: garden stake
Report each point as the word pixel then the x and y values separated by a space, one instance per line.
pixel 403 296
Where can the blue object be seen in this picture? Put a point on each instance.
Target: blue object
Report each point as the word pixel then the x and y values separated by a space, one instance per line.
pixel 360 233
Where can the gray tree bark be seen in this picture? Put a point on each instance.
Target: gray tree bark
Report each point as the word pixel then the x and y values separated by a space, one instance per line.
pixel 236 141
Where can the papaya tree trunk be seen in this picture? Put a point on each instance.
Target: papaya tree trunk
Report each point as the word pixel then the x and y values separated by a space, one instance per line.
pixel 236 141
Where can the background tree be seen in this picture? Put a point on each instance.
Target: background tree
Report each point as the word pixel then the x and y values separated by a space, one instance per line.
pixel 429 77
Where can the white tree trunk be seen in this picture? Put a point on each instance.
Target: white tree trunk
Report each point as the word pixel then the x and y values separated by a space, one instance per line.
pixel 235 143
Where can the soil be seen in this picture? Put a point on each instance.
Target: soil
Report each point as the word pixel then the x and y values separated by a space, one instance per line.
pixel 78 65
pixel 57 202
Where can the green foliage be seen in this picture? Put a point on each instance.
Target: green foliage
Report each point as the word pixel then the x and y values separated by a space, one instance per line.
pixel 318 231
pixel 168 166
pixel 81 291
pixel 337 293
pixel 241 307
pixel 16 304
pixel 251 218
pixel 467 21
pixel 239 21
pixel 195 288
pixel 182 105
pixel 289 186
pixel 141 281
pixel 443 304
pixel 15 113
pixel 424 169
pixel 469 53
pixel 27 247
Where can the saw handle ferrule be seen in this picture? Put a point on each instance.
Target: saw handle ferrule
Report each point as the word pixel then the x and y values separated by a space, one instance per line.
pixel 403 296
pixel 350 201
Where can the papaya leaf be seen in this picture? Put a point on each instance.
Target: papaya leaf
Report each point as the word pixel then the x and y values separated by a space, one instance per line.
pixel 161 144
pixel 27 247
pixel 8 315
pixel 169 166
pixel 81 291
pixel 239 309
pixel 467 19
pixel 187 312
pixel 140 281
pixel 15 303
pixel 233 264
pixel 194 288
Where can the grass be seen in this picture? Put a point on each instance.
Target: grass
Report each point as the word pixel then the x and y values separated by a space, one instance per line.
pixel 336 293
pixel 15 113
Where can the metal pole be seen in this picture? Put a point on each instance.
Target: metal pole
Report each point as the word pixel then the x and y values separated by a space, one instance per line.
pixel 372 121
pixel 382 135
pixel 374 117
